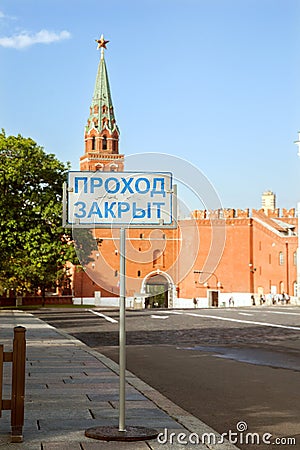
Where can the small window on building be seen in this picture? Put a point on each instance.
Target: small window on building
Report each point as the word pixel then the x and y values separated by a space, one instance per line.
pixel 138 273
pixel 104 143
pixel 116 273
pixel 141 236
pixel 281 259
pixel 93 143
pixel 295 258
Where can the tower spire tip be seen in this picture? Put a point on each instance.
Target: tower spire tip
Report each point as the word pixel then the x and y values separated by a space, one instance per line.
pixel 102 44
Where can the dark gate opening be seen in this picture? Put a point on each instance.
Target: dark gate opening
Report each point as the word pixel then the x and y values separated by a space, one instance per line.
pixel 213 298
pixel 157 288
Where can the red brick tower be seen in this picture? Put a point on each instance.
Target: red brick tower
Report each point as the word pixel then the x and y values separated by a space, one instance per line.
pixel 101 135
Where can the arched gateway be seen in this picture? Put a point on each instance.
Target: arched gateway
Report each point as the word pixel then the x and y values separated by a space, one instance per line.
pixel 161 289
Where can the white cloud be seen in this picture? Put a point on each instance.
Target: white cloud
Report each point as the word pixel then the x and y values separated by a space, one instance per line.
pixel 24 40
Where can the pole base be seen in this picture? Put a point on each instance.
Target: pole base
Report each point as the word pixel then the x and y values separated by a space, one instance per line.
pixel 112 433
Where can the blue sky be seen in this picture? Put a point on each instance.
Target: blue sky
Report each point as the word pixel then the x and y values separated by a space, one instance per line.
pixel 215 82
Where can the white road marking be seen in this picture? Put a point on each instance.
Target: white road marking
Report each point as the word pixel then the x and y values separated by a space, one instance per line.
pixel 153 316
pixel 265 324
pixel 109 319
pixel 267 311
pixel 283 312
pixel 245 314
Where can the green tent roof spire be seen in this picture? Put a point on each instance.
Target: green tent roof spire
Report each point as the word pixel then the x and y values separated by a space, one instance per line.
pixel 102 112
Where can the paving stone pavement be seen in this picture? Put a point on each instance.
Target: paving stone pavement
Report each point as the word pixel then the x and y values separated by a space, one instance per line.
pixel 70 387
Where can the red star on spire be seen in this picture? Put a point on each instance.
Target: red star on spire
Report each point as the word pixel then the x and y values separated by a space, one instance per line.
pixel 101 42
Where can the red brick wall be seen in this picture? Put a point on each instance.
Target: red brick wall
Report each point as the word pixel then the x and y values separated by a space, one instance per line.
pixel 247 242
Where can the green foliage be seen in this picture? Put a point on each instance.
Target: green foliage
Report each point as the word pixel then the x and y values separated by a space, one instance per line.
pixel 34 246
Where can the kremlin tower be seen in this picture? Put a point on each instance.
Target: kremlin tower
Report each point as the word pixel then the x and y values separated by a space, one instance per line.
pixel 101 136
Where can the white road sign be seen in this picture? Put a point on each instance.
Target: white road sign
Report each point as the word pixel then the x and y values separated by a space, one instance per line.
pixel 120 198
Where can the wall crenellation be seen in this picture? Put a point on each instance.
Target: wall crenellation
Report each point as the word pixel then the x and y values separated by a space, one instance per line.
pixel 230 213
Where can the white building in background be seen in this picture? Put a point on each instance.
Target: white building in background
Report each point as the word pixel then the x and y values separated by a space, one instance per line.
pixel 298 249
pixel 268 200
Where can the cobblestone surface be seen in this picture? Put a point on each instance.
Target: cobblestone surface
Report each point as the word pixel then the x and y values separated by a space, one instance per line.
pixel 176 330
pixel 219 336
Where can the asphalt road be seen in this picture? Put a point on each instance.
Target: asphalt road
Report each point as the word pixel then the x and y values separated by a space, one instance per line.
pixel 222 365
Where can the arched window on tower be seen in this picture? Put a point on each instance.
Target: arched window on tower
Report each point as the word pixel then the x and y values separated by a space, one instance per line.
pixel 93 143
pixel 113 167
pixel 104 143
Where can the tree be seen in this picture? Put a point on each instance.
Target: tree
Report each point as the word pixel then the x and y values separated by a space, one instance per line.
pixel 34 246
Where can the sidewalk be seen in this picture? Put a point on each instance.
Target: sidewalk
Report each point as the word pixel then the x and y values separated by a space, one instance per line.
pixel 70 387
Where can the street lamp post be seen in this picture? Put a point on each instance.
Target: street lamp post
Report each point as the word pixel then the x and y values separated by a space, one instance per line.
pixel 218 284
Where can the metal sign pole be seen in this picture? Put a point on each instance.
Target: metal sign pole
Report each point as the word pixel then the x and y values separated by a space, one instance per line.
pixel 122 332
